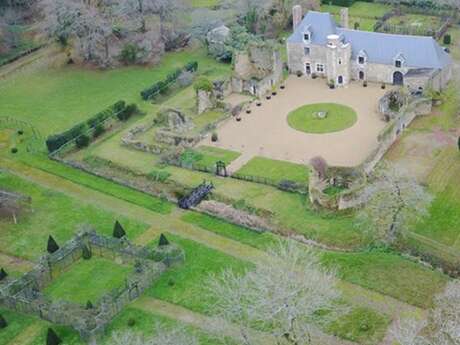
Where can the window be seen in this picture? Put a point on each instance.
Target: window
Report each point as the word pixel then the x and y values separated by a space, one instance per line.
pixel 306 37
pixel 361 60
pixel 398 63
pixel 340 61
pixel 306 51
pixel 319 68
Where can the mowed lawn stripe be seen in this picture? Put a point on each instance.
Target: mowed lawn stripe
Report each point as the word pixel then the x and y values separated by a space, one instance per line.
pixel 174 225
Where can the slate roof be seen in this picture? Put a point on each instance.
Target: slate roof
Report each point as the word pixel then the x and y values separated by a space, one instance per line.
pixel 418 51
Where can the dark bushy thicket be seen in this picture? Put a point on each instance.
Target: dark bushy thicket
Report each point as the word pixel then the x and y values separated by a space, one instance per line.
pixel 52 338
pixel 82 141
pixel 55 141
pixel 3 323
pixel 3 274
pixel 163 85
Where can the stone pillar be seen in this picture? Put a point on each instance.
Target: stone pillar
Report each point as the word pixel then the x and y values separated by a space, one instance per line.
pixel 344 22
pixel 296 16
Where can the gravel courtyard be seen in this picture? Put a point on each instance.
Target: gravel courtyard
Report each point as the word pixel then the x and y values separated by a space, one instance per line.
pixel 265 132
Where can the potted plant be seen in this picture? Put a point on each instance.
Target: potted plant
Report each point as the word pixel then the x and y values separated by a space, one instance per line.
pixel 365 83
pixel 248 111
pixel 259 103
pixel 282 87
pixel 314 76
pixel 299 74
pixel 238 118
pixel 331 84
pixel 214 137
pixel 268 97
pixel 383 86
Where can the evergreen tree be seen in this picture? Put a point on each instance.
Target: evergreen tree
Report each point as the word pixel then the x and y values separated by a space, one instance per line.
pixel 52 338
pixel 118 231
pixel 3 274
pixel 89 305
pixel 163 241
pixel 86 252
pixel 52 245
pixel 3 323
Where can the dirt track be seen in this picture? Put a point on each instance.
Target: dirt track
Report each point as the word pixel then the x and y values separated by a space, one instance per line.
pixel 265 132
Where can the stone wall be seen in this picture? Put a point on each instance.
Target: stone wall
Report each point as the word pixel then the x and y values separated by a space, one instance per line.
pixel 25 294
pixel 354 179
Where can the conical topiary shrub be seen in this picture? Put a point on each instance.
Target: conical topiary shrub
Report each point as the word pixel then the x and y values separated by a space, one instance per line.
pixel 3 274
pixel 118 231
pixel 86 252
pixel 163 241
pixel 52 245
pixel 89 305
pixel 3 323
pixel 52 338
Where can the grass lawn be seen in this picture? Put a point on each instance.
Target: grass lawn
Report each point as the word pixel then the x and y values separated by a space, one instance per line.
pixel 361 325
pixel 360 9
pixel 52 213
pixel 203 3
pixel 185 284
pixel 100 184
pixel 275 170
pixel 207 156
pixel 144 323
pixel 232 231
pixel 17 323
pixel 88 280
pixel 389 274
pixel 55 99
pixel 338 118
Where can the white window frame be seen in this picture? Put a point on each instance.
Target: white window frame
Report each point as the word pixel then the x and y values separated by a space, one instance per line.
pixel 400 63
pixel 320 67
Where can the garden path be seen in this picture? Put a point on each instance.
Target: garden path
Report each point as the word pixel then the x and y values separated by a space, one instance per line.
pixel 28 334
pixel 173 224
pixel 14 263
pixel 210 324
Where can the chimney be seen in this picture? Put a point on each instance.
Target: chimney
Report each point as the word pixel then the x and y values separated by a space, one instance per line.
pixel 296 16
pixel 344 17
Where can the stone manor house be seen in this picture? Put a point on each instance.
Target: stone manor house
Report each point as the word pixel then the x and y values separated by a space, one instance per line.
pixel 320 47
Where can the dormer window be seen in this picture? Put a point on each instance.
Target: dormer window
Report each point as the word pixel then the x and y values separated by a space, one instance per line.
pixel 362 57
pixel 399 60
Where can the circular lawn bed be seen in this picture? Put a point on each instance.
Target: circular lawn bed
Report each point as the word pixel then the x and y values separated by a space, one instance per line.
pixel 322 118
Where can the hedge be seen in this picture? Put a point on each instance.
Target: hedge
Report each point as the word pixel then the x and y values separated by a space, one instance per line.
pixel 163 85
pixel 56 141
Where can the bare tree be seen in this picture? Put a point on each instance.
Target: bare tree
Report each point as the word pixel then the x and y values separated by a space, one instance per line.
pixel 12 204
pixel 442 327
pixel 282 296
pixel 161 336
pixel 394 201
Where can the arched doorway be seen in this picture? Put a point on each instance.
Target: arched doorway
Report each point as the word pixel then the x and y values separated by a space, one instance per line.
pixel 361 75
pixel 398 78
pixel 340 80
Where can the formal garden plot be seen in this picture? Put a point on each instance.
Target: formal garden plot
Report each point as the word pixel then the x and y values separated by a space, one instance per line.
pixel 88 280
pixel 43 291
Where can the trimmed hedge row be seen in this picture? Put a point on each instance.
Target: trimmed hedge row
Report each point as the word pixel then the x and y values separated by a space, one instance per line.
pixel 163 85
pixel 120 109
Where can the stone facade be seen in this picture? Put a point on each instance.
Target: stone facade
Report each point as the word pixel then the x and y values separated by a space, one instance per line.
pixel 257 70
pixel 327 52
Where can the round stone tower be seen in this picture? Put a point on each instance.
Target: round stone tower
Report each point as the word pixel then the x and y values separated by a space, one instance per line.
pixel 338 58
